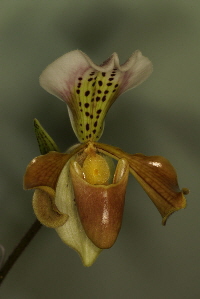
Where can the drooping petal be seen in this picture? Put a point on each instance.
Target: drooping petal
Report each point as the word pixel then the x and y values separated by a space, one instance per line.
pixel 42 174
pixel 100 207
pixel 72 232
pixel 157 177
pixel 89 90
pixel 45 209
pixel 44 170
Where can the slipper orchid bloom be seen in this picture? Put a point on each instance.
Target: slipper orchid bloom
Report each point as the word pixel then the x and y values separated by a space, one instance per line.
pixel 81 193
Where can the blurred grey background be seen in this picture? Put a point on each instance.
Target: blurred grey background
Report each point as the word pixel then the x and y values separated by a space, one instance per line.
pixel 160 117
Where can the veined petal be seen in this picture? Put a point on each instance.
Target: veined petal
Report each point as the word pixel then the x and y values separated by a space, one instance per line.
pixel 42 174
pixel 157 177
pixel 44 170
pixel 89 90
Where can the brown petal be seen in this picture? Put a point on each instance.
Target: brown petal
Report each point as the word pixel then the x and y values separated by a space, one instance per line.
pixel 101 207
pixel 157 177
pixel 45 208
pixel 44 170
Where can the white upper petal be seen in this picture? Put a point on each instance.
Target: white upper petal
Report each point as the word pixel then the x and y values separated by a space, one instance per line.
pixel 89 89
pixel 135 71
pixel 60 74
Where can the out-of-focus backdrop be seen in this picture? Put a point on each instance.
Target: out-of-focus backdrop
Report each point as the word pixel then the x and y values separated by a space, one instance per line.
pixel 160 117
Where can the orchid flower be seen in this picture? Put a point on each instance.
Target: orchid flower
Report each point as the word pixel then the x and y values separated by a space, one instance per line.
pixel 81 193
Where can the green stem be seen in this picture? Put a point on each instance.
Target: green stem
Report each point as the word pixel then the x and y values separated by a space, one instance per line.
pixel 19 249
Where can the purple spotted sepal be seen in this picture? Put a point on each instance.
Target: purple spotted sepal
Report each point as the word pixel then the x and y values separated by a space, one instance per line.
pixel 89 90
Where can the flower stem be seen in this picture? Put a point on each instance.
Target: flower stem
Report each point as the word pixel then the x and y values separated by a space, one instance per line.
pixel 19 249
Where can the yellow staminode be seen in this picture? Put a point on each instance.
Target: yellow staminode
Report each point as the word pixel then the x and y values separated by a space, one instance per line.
pixel 96 170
